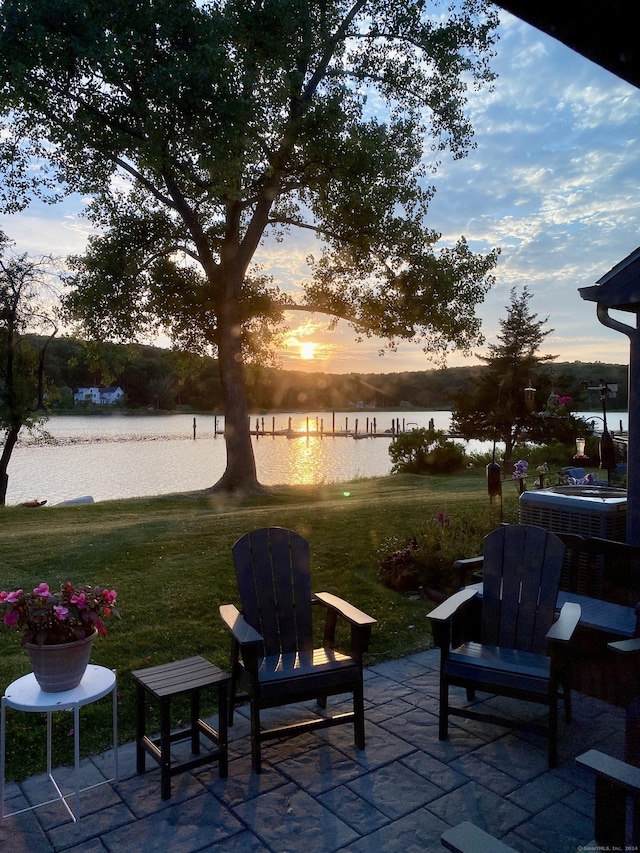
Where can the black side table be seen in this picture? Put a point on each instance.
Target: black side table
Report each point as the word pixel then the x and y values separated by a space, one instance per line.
pixel 173 679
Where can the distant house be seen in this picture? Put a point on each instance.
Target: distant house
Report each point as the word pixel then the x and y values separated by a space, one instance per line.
pixel 100 396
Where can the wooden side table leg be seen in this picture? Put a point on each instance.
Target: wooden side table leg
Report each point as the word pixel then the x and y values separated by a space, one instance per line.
pixel 141 716
pixel 165 749
pixel 195 716
pixel 223 724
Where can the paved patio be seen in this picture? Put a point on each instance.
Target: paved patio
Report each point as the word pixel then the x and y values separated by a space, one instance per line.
pixel 318 794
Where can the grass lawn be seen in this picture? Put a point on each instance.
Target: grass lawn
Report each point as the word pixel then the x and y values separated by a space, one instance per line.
pixel 169 559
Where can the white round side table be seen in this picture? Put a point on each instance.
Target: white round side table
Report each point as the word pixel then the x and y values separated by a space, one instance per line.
pixel 25 694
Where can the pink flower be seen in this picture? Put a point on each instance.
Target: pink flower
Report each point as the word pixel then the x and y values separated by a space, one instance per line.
pixel 11 619
pixel 79 599
pixel 42 590
pixel 109 596
pixel 3 596
pixel 14 596
pixel 61 612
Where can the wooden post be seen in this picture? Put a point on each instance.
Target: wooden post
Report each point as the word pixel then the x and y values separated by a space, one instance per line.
pixel 194 429
pixel 346 425
pixel 273 425
pixel 375 427
pixel 333 423
pixel 321 427
pixel 356 426
pixel 307 424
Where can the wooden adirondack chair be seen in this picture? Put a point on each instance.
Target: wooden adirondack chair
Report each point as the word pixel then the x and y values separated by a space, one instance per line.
pixel 520 652
pixel 273 655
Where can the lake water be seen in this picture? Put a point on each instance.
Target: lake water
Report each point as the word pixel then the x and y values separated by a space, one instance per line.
pixel 124 456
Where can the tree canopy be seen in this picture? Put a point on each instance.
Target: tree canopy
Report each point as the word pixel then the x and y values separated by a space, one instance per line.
pixel 199 129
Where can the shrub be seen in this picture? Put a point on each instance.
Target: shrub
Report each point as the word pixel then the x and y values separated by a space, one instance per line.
pixel 425 451
pixel 425 561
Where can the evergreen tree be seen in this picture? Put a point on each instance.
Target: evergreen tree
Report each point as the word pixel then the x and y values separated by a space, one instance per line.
pixel 503 404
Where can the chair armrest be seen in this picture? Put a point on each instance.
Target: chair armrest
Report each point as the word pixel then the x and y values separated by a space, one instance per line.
pixel 465 567
pixel 344 609
pixel 562 629
pixel 445 627
pixel 443 612
pixel 625 646
pixel 626 776
pixel 361 624
pixel 242 632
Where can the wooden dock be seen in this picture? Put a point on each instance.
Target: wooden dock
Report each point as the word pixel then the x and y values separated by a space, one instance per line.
pixel 315 427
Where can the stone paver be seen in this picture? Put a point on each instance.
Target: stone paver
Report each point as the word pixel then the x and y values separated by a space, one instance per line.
pixel 319 794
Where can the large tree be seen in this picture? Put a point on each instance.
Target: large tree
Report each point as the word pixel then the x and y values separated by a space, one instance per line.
pixel 27 304
pixel 510 400
pixel 199 129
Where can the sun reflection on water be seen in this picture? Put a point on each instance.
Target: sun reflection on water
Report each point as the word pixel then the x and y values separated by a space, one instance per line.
pixel 306 461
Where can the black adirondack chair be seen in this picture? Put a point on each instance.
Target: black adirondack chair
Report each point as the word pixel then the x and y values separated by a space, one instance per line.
pixel 273 657
pixel 521 651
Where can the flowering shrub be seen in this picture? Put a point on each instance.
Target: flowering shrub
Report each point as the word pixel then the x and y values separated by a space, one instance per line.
pixel 48 618
pixel 520 469
pixel 558 404
pixel 426 561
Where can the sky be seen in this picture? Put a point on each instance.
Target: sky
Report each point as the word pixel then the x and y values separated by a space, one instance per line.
pixel 553 181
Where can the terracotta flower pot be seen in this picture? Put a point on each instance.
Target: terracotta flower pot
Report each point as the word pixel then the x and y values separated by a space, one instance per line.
pixel 60 667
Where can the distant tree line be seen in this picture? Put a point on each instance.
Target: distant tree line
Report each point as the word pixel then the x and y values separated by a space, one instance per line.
pixel 157 378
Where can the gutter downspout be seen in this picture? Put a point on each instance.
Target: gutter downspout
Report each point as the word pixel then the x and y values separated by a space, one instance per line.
pixel 633 453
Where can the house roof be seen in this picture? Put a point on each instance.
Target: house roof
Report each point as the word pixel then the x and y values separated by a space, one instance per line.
pixel 619 288
pixel 605 33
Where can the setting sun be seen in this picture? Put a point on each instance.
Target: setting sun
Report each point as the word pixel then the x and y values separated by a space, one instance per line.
pixel 307 350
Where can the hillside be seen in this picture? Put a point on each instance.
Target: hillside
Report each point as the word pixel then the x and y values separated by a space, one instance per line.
pixel 158 378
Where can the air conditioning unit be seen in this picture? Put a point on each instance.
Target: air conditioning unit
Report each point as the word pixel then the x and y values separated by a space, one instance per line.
pixel 587 510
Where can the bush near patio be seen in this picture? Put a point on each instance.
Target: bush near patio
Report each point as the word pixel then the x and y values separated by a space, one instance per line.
pixel 423 565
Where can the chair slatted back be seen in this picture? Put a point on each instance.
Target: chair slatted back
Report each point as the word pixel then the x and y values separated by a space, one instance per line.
pixel 522 570
pixel 611 571
pixel 273 570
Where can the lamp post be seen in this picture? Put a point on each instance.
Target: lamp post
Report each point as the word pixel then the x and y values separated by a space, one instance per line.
pixel 494 476
pixel 607 450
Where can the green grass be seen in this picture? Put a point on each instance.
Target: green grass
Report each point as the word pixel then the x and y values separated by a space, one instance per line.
pixel 169 559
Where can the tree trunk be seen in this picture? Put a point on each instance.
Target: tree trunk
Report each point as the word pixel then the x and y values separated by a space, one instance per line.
pixel 7 450
pixel 240 473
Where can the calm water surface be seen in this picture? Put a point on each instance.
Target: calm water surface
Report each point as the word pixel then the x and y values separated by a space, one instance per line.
pixel 123 456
